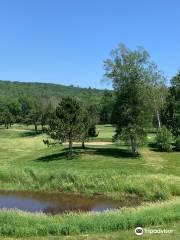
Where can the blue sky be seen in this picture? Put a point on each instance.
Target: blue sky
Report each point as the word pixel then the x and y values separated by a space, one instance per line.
pixel 66 41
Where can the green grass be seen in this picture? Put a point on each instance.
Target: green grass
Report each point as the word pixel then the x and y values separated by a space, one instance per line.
pixel 26 163
pixel 106 132
pixel 116 235
pixel 21 224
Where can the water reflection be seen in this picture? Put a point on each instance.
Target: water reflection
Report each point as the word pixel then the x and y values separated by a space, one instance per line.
pixel 54 203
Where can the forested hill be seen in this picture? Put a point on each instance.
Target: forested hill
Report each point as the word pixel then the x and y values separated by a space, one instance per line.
pixel 10 89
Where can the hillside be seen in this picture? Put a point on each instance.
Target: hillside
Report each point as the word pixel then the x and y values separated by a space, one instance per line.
pixel 10 89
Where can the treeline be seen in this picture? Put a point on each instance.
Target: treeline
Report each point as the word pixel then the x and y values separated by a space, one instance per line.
pixel 26 110
pixel 140 102
pixel 66 120
pixel 33 103
pixel 13 90
pixel 38 111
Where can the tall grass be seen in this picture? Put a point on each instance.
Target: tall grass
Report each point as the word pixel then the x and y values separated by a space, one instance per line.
pixel 19 224
pixel 110 183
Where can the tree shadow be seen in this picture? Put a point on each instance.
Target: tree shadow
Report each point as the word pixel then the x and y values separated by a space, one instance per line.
pixel 110 152
pixel 30 133
pixel 77 151
pixel 63 155
pixel 152 146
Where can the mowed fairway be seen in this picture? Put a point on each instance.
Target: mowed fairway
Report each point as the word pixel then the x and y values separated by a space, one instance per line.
pixel 26 163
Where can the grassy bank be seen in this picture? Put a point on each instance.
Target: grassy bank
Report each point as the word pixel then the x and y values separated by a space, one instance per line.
pixel 120 235
pixel 26 163
pixel 20 224
pixel 110 183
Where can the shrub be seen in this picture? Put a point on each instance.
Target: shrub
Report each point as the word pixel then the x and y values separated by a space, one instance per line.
pixel 164 139
pixel 177 143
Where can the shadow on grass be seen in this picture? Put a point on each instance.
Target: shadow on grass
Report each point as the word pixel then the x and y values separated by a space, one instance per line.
pixel 105 151
pixel 107 126
pixel 30 133
pixel 77 151
pixel 110 152
pixel 63 155
pixel 153 147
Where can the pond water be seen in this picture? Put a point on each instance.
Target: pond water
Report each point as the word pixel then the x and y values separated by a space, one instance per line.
pixel 56 203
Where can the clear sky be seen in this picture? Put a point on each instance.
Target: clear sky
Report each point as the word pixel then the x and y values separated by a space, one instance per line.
pixel 66 41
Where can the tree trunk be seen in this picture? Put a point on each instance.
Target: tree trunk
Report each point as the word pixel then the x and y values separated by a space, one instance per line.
pixel 35 127
pixel 83 145
pixel 70 149
pixel 158 119
pixel 133 147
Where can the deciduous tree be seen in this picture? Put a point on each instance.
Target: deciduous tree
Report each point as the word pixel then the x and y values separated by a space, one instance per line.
pixel 132 75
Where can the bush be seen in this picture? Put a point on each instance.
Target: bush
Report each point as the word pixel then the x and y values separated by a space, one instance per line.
pixel 164 139
pixel 177 143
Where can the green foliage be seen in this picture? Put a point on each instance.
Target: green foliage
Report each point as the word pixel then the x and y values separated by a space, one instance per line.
pixel 92 131
pixel 14 90
pixel 177 143
pixel 106 107
pixel 69 122
pixel 164 139
pixel 33 103
pixel 171 112
pixel 134 134
pixel 6 118
pixel 88 123
pixel 14 108
pixel 132 75
pixel 158 95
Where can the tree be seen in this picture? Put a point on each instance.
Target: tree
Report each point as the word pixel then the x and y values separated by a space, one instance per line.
pixel 177 143
pixel 66 124
pixel 107 103
pixel 171 112
pixel 85 124
pixel 89 120
pixel 25 105
pixel 6 118
pixel 158 95
pixel 132 75
pixel 15 109
pixel 164 139
pixel 33 116
pixel 45 111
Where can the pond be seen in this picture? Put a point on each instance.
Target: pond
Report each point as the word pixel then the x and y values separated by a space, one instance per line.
pixel 57 203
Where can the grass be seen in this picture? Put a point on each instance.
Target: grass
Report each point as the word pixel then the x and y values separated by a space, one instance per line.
pixel 105 133
pixel 21 224
pixel 119 235
pixel 26 163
